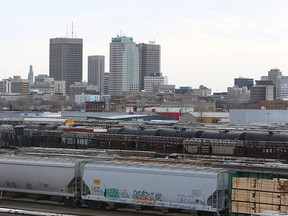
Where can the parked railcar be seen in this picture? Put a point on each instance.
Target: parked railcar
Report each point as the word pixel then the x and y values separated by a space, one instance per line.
pixel 168 132
pixel 6 135
pixel 26 176
pixel 232 135
pixel 190 134
pixel 279 137
pixel 257 136
pixel 115 130
pixel 155 185
pixel 211 135
pixel 81 129
pixel 51 121
pixel 131 131
pixel 150 132
pixel 116 182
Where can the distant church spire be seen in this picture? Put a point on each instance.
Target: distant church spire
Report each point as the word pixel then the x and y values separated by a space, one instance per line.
pixel 31 75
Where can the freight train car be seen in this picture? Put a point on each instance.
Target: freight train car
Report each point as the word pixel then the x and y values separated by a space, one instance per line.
pixel 260 144
pixel 50 121
pixel 39 178
pixel 114 182
pixel 155 185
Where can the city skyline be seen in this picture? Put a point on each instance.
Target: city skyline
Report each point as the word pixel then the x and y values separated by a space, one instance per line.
pixel 202 42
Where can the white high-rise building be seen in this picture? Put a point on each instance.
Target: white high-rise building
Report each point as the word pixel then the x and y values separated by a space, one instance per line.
pixel 124 66
pixel 96 68
pixel 150 81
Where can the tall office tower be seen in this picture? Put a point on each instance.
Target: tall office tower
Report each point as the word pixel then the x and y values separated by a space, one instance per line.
pixel 149 60
pixel 65 61
pixel 124 66
pixel 96 68
pixel 275 76
pixel 31 75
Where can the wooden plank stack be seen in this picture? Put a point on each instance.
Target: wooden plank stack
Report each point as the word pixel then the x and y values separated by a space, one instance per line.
pixel 252 195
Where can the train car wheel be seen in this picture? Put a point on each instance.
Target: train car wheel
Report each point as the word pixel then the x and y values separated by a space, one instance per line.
pixel 97 205
pixel 68 202
pixel 92 205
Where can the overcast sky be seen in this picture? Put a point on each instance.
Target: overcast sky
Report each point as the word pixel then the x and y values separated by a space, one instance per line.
pixel 203 42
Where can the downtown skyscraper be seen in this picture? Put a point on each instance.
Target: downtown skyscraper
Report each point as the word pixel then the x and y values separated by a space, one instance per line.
pixel 66 60
pixel 96 70
pixel 149 61
pixel 124 66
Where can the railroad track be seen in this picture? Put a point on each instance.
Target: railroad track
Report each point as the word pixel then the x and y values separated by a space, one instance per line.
pixel 54 208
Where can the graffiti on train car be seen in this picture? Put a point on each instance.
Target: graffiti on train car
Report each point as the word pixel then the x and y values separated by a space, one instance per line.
pixel 143 197
pixel 190 199
pixel 97 191
pixel 114 193
pixel 111 193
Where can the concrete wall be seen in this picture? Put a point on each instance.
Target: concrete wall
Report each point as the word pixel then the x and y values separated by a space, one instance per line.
pixel 250 116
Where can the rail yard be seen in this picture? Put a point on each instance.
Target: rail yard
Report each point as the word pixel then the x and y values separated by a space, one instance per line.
pixel 200 170
pixel 262 143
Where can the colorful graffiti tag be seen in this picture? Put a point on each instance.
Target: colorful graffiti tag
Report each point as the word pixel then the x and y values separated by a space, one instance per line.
pixel 189 199
pixel 185 199
pixel 97 191
pixel 124 193
pixel 111 193
pixel 143 197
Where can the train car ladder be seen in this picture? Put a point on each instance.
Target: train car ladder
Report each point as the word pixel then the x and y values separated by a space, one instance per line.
pixel 77 180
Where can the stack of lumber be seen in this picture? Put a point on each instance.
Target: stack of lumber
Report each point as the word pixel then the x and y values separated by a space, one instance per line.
pixel 284 202
pixel 242 207
pixel 251 195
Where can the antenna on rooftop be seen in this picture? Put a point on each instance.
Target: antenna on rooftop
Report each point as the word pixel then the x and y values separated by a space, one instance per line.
pixel 72 29
pixel 66 31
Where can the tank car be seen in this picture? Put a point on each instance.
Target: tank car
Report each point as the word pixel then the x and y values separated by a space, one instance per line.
pixel 150 132
pixel 115 130
pixel 231 135
pixel 256 136
pixel 131 131
pixel 164 132
pixel 190 134
pixel 210 134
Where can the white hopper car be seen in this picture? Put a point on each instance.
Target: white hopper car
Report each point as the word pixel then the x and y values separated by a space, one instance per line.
pixel 39 176
pixel 190 188
pixel 117 182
